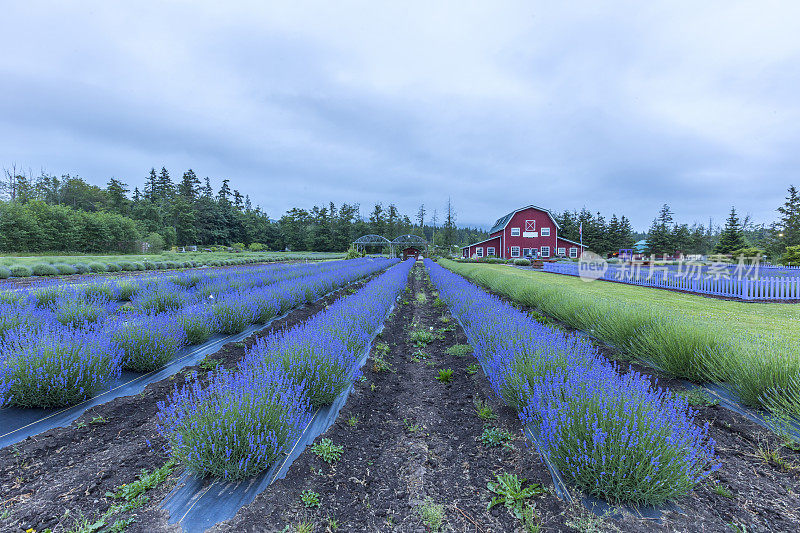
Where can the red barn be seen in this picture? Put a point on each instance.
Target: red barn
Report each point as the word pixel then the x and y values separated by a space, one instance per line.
pixel 527 231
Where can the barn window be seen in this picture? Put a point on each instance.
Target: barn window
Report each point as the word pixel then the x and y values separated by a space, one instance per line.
pixel 530 225
pixel 562 251
pixel 573 252
pixel 545 232
pixel 479 251
pixel 515 249
pixel 490 250
pixel 545 251
pixel 515 232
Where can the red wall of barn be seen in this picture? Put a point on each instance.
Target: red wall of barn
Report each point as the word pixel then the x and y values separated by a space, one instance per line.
pixel 491 242
pixel 540 220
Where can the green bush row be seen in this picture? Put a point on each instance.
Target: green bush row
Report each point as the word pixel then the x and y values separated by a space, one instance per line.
pixel 64 269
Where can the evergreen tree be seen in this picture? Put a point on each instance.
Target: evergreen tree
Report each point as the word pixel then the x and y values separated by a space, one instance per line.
pixel 151 185
pixel 118 201
pixel 165 189
pixel 377 221
pixel 731 238
pixel 789 223
pixel 189 187
pixel 660 237
pixel 449 233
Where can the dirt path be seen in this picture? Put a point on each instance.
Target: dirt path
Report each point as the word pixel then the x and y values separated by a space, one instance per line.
pixel 69 470
pixel 407 440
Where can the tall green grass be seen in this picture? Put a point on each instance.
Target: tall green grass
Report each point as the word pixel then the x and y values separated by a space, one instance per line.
pixel 685 340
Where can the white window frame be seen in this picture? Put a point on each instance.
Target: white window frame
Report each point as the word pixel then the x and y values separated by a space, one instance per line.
pixel 490 251
pixel 530 225
pixel 545 251
pixel 515 232
pixel 561 251
pixel 515 251
pixel 545 232
pixel 573 252
pixel 479 251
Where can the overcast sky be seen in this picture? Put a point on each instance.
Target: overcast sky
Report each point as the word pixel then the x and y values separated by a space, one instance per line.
pixel 616 106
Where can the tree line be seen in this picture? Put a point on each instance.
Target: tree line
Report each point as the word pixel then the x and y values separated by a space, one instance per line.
pixel 737 236
pixel 67 214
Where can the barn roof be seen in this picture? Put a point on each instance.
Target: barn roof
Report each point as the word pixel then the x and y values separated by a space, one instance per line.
pixel 503 221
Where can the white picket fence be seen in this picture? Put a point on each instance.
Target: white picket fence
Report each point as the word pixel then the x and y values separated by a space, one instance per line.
pixel 763 288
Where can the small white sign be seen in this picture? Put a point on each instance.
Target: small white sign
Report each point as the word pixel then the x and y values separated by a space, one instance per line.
pixel 530 233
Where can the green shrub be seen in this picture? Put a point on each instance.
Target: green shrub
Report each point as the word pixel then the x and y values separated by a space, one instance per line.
pixel 792 255
pixel 97 267
pixel 43 269
pixel 19 271
pixel 257 247
pixel 138 265
pixel 4 273
pixel 65 269
pixel 127 266
pixel 149 265
pixel 522 262
pixel 113 267
pixel 82 268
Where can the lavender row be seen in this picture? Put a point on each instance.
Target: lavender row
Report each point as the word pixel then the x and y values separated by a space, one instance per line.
pixel 616 436
pixel 62 350
pixel 246 418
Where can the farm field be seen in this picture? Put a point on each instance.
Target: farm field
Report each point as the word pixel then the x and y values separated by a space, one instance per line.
pixel 425 440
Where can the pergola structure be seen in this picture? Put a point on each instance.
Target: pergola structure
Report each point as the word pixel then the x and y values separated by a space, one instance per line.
pixel 371 240
pixel 395 246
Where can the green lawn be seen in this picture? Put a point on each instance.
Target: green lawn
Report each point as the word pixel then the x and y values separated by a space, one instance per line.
pixel 781 321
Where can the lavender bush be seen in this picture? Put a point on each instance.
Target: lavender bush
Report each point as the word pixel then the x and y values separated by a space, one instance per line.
pixel 148 342
pixel 235 427
pixel 55 366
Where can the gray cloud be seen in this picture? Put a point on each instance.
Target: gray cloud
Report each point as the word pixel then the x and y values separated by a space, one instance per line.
pixel 618 108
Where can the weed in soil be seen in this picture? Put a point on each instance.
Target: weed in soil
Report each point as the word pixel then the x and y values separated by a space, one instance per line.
pixel 310 499
pixel 772 455
pixel 473 369
pixel 431 514
pixel 510 491
pixel 722 490
pixel 418 355
pixel 412 427
pixel 493 437
pixel 484 410
pixel 697 397
pixel 327 451
pixel 421 337
pixel 459 350
pixel 352 421
pixel 209 363
pixel 445 375
pixel 379 364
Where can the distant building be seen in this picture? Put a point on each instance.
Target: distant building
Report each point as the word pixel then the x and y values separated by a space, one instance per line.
pixel 526 232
